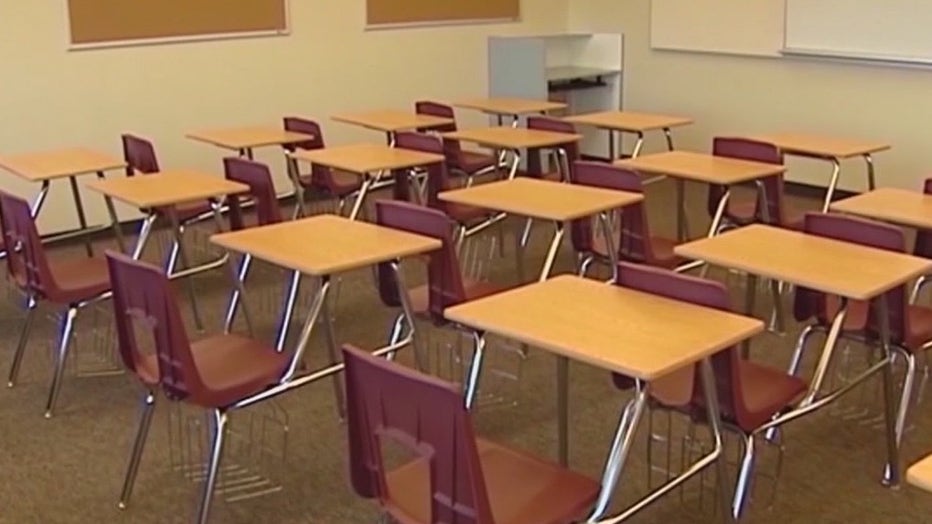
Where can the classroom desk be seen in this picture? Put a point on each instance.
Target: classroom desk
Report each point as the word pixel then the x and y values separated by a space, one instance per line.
pixel 850 271
pixel 46 166
pixel 501 107
pixel 244 140
pixel 542 199
pixel 617 329
pixel 708 169
pixel 368 160
pixel 898 206
pixel 630 122
pixel 826 148
pixel 392 121
pixel 321 246
pixel 920 474
pixel 514 139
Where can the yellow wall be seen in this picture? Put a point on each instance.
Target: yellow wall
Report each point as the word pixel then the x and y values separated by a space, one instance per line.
pixel 733 94
pixel 51 98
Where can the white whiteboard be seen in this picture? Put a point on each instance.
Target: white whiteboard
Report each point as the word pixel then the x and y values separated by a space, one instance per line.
pixel 744 27
pixel 896 30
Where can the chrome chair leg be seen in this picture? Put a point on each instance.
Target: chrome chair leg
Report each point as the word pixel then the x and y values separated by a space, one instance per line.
pixel 142 433
pixel 906 397
pixel 585 264
pixel 23 340
pixel 745 474
pixel 213 466
pixel 61 357
pixel 395 334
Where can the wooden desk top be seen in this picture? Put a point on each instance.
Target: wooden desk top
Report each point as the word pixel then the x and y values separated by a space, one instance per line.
pixel 48 165
pixel 391 120
pixel 899 206
pixel 510 106
pixel 237 138
pixel 507 137
pixel 628 121
pixel 638 334
pixel 367 158
pixel 831 266
pixel 325 244
pixel 701 167
pixel 821 146
pixel 920 474
pixel 166 188
pixel 542 199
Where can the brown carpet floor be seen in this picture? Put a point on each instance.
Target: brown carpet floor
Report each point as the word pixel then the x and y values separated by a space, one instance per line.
pixel 70 469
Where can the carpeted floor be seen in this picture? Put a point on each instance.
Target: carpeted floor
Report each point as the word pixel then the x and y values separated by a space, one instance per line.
pixel 70 469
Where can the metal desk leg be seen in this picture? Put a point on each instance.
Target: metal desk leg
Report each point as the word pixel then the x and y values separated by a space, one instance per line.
pixel 40 199
pixel 291 166
pixel 638 145
pixel 291 297
pixel 178 233
pixel 515 162
pixel 238 276
pixel 82 219
pixel 606 227
pixel 871 180
pixel 777 324
pixel 114 220
pixel 833 182
pixel 891 476
pixel 828 349
pixel 710 390
pixel 563 433
pixel 552 252
pixel 682 229
pixel 367 182
pixel 475 368
pixel 611 145
pixel 669 137
pixel 333 352
pixel 750 294
pixel 145 228
pixel 316 307
pixel 521 242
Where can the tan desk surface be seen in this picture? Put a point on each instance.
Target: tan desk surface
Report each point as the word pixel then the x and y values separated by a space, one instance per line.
pixel 391 120
pixel 506 137
pixel 821 146
pixel 541 198
pixel 166 188
pixel 47 165
pixel 510 106
pixel 628 121
pixel 900 206
pixel 325 244
pixel 637 334
pixel 835 267
pixel 237 138
pixel 367 158
pixel 701 167
pixel 920 474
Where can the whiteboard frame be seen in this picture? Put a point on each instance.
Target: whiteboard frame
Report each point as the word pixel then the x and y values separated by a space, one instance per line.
pixel 180 39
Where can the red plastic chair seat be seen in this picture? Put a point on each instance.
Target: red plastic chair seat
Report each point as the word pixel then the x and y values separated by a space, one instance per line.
pixel 78 279
pixel 232 367
pixel 661 246
pixel 522 489
pixel 475 289
pixel 343 183
pixel 471 162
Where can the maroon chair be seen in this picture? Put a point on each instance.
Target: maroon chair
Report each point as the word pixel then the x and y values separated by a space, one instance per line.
pixel 322 180
pixel 923 247
pixel 635 242
pixel 67 284
pixel 567 154
pixel 750 394
pixel 910 324
pixel 741 212
pixel 454 477
pixel 459 161
pixel 467 217
pixel 217 373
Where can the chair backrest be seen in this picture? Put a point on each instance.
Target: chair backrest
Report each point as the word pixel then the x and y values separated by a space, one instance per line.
pixel 257 176
pixel 555 125
pixel 808 303
pixel 437 174
pixel 444 275
pixel 923 246
pixel 633 243
pixel 143 299
pixel 139 155
pixel 702 292
pixel 388 402
pixel 27 264
pixel 320 174
pixel 756 151
pixel 452 149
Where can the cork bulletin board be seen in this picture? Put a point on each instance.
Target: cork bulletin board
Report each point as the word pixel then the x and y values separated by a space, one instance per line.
pixel 114 22
pixel 398 12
